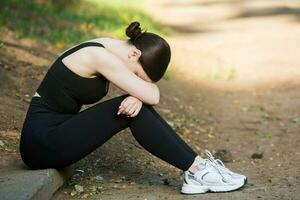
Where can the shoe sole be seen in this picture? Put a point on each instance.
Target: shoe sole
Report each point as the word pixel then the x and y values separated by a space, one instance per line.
pixel 192 189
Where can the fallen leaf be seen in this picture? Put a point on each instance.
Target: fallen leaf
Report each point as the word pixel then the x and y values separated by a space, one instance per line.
pixel 165 110
pixel 73 193
pixel 296 120
pixel 59 45
pixel 79 188
pixel 176 99
pixel 202 130
pixel 198 148
pixel 245 109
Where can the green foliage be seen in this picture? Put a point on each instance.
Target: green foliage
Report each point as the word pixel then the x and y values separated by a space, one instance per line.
pixel 2 45
pixel 1 144
pixel 72 21
pixel 168 74
pixel 296 120
pixel 223 75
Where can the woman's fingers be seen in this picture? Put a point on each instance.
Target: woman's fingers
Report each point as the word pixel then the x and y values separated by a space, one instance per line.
pixel 126 107
pixel 130 108
pixel 123 106
pixel 124 103
pixel 135 112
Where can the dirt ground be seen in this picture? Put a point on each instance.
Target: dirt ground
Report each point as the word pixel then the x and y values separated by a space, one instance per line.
pixel 234 85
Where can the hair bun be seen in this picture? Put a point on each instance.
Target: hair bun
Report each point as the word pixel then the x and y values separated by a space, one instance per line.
pixel 133 30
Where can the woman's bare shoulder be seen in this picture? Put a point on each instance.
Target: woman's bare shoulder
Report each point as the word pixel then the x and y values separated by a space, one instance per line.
pixel 102 40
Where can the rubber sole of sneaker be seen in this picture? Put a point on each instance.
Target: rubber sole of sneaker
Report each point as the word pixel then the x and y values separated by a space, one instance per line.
pixel 191 190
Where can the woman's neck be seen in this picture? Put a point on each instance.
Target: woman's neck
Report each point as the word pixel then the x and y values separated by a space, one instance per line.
pixel 116 46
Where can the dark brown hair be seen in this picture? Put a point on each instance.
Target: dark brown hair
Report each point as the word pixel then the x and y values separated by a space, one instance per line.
pixel 156 52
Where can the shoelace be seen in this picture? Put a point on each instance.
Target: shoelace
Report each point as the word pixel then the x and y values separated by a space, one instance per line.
pixel 221 164
pixel 216 163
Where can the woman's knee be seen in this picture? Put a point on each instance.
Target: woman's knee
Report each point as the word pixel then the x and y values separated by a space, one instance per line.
pixel 145 109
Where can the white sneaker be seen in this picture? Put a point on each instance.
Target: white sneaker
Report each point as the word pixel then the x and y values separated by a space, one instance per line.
pixel 210 178
pixel 223 168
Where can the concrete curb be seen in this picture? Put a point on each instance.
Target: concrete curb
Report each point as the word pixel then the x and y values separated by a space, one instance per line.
pixel 17 181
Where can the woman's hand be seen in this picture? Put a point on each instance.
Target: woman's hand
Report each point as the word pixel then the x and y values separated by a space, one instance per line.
pixel 130 106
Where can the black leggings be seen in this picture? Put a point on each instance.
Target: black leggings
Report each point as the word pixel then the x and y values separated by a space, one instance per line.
pixel 56 140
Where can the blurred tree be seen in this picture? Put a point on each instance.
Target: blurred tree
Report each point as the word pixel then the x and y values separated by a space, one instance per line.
pixel 58 2
pixel 63 2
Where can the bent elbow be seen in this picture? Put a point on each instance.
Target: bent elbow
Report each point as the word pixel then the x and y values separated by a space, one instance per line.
pixel 156 99
pixel 152 101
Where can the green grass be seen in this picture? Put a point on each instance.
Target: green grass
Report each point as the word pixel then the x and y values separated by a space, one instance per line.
pixel 169 73
pixel 9 144
pixel 2 144
pixel 67 22
pixel 225 75
pixel 76 21
pixel 2 45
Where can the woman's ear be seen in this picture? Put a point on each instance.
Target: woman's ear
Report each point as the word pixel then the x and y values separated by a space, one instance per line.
pixel 134 54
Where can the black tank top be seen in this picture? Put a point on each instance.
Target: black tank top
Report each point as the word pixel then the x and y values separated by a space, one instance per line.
pixel 65 91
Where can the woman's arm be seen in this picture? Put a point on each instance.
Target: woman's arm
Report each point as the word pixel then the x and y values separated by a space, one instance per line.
pixel 114 69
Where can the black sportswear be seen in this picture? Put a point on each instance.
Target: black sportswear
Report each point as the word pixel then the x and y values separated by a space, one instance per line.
pixel 66 91
pixel 55 134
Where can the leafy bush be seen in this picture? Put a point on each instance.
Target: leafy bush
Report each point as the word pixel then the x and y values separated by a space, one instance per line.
pixel 70 21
